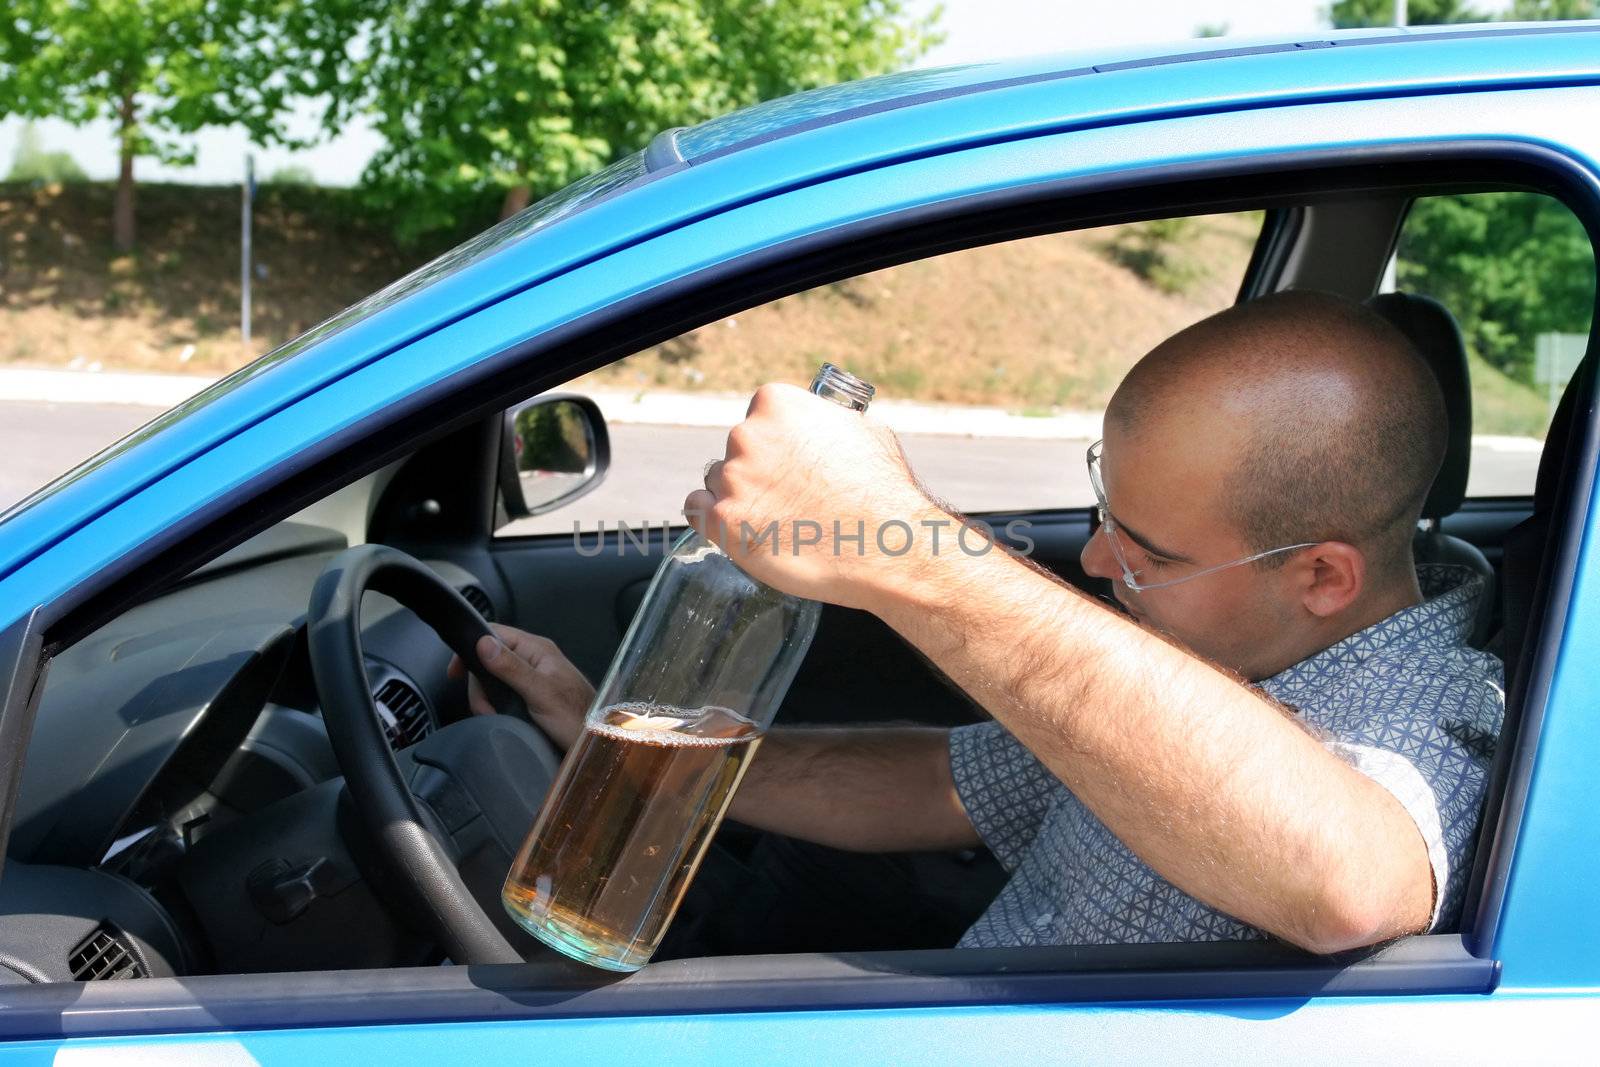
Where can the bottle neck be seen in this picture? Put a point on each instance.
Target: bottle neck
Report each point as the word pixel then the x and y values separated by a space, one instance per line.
pixel 842 388
pixel 839 386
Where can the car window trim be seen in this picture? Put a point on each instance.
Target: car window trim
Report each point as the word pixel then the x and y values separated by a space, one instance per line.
pixel 659 314
pixel 1280 231
pixel 555 989
pixel 1512 772
pixel 23 666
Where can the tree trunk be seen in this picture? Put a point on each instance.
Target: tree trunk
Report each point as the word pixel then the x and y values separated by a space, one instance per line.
pixel 122 205
pixel 517 198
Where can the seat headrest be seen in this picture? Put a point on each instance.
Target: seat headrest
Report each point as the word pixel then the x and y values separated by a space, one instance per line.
pixel 1432 330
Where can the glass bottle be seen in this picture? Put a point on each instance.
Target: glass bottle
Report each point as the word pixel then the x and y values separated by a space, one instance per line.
pixel 701 672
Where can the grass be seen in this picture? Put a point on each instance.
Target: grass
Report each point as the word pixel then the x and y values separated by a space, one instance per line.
pixel 1501 405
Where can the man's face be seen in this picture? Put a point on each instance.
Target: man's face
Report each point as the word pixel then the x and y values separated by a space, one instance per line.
pixel 1163 487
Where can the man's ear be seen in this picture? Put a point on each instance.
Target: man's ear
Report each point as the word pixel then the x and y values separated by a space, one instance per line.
pixel 1329 577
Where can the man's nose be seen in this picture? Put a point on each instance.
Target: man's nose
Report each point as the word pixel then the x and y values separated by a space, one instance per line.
pixel 1096 557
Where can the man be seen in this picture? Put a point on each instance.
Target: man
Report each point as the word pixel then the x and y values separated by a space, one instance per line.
pixel 1283 735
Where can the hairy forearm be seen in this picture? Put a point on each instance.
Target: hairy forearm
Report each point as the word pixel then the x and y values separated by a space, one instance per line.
pixel 1212 785
pixel 870 789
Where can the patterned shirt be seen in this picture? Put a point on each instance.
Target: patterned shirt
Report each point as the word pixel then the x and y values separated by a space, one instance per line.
pixel 1406 701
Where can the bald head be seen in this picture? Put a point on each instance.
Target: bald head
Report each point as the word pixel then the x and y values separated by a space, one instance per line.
pixel 1325 423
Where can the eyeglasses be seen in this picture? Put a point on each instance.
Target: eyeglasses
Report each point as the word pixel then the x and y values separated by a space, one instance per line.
pixel 1135 559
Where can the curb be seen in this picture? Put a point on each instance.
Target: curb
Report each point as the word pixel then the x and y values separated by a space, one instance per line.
pixel 723 410
pixel 711 410
pixel 708 410
pixel 48 386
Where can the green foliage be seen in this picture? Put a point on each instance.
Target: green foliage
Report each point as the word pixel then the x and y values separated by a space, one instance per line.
pixel 475 98
pixel 33 164
pixel 1510 266
pixel 1552 10
pixel 1211 29
pixel 1345 14
pixel 1350 14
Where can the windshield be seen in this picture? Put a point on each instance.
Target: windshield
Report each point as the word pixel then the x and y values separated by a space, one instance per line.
pixel 580 194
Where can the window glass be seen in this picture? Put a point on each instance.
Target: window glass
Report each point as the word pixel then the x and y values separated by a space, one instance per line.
pixel 993 364
pixel 1518 273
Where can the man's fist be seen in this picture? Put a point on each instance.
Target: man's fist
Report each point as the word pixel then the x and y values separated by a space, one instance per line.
pixel 555 691
pixel 812 498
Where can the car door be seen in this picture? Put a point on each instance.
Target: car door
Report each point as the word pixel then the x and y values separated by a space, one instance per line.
pixel 1505 987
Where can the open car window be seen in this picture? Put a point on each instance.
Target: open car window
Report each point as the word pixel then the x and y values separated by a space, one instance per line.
pixel 995 394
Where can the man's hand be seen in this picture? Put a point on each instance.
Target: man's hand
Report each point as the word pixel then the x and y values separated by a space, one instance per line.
pixel 803 478
pixel 555 691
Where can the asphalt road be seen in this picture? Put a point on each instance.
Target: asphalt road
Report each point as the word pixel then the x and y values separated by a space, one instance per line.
pixel 40 441
pixel 654 467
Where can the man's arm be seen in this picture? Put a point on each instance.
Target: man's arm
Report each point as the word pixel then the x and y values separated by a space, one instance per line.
pixel 1206 781
pixel 869 789
pixel 883 789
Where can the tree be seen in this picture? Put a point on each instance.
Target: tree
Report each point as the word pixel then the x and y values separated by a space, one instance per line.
pixel 1509 265
pixel 1552 10
pixel 516 99
pixel 158 69
pixel 1351 14
pixel 1346 14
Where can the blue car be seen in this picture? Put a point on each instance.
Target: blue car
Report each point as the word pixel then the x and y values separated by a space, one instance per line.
pixel 246 819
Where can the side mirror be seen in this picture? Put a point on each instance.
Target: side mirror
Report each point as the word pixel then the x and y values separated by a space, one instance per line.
pixel 553 450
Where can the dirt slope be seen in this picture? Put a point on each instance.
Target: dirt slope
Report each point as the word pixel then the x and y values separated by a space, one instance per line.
pixel 65 296
pixel 1047 322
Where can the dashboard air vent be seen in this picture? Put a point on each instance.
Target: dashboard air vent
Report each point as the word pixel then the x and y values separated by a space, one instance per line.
pixel 480 600
pixel 405 716
pixel 105 954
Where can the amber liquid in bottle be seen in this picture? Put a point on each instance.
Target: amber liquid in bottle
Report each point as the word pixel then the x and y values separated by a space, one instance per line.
pixel 625 825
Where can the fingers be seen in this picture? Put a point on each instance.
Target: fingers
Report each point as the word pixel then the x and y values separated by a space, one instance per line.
pixel 511 656
pixel 697 509
pixel 715 480
pixel 508 636
pixel 771 395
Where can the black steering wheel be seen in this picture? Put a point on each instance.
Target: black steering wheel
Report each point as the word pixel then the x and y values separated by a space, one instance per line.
pixel 455 804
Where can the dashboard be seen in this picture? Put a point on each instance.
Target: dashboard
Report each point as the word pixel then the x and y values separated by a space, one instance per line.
pixel 186 715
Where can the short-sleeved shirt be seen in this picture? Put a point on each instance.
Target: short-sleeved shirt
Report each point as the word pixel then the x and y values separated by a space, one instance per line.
pixel 1406 701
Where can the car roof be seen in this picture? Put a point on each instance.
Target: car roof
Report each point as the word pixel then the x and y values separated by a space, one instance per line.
pixel 834 104
pixel 765 148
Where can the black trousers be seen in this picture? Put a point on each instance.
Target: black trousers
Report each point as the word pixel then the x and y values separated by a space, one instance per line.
pixel 760 893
